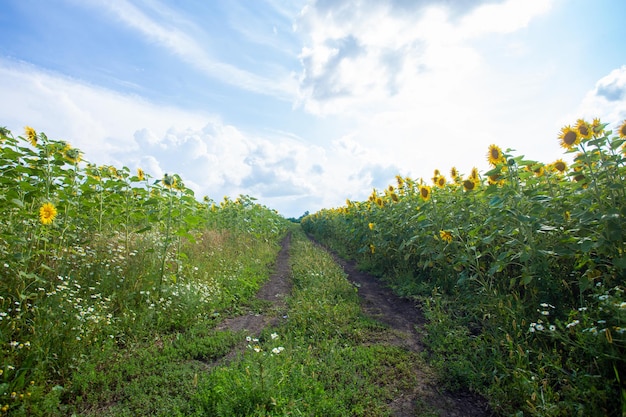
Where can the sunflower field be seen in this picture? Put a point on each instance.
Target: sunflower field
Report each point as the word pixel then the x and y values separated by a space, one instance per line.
pixel 96 258
pixel 520 271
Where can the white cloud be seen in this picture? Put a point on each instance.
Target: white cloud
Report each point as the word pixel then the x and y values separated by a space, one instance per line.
pixel 174 33
pixel 608 99
pixel 213 158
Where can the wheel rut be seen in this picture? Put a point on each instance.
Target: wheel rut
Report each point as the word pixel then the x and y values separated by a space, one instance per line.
pixel 402 317
pixel 406 321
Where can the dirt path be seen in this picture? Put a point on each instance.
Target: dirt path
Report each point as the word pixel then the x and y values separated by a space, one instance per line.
pixel 405 319
pixel 402 317
pixel 274 290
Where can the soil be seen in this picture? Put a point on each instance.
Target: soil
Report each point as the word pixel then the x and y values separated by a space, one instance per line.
pixel 402 316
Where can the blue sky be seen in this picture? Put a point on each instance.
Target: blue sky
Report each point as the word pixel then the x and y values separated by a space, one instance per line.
pixel 305 103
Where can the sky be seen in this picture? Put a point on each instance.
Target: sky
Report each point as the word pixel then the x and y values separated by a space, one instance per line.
pixel 303 104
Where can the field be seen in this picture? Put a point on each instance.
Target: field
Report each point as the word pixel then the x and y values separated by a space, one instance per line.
pixel 520 271
pixel 123 294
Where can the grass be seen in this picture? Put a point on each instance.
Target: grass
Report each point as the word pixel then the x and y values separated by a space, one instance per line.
pixel 326 366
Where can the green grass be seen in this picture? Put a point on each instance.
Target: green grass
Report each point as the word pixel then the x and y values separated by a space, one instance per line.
pixel 328 365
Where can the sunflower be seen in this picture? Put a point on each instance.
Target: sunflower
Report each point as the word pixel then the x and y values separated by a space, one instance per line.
pixel 494 156
pixel 31 135
pixel 425 191
pixel 569 137
pixel 394 197
pixel 538 170
pixel 441 181
pixel 47 213
pixel 584 129
pixel 474 174
pixel 469 184
pixel 141 175
pixel 454 174
pixel 621 131
pixel 495 179
pixel 445 235
pixel 169 181
pixel 559 165
pixel 597 127
pixel 379 202
pixel 72 155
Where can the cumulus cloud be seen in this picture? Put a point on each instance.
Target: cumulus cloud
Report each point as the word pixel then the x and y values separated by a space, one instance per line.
pixel 212 157
pixel 607 100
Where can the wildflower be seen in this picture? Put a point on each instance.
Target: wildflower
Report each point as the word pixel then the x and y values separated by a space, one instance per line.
pixel 425 191
pixel 552 327
pixel 277 350
pixel 257 348
pixel 572 324
pixel 31 135
pixel 445 235
pixel 372 248
pixel 622 305
pixel 47 213
pixel 569 137
pixel 141 175
pixel 274 336
pixel 371 226
pixel 621 131
pixel 494 156
pixel 584 129
pixel 539 327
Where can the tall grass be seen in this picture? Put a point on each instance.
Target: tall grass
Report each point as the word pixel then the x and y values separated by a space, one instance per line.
pixel 94 259
pixel 521 271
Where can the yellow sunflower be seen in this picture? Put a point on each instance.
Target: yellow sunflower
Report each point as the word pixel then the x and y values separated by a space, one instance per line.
pixel 559 165
pixel 425 192
pixel 454 173
pixel 445 235
pixel 31 135
pixel 72 155
pixel 584 129
pixel 494 156
pixel 441 181
pixel 569 137
pixel 597 127
pixel 621 131
pixel 394 197
pixel 469 184
pixel 474 174
pixel 140 174
pixel 169 181
pixel 47 213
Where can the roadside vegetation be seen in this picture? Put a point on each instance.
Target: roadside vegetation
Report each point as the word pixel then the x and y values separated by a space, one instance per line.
pixel 112 281
pixel 520 271
pixel 114 285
